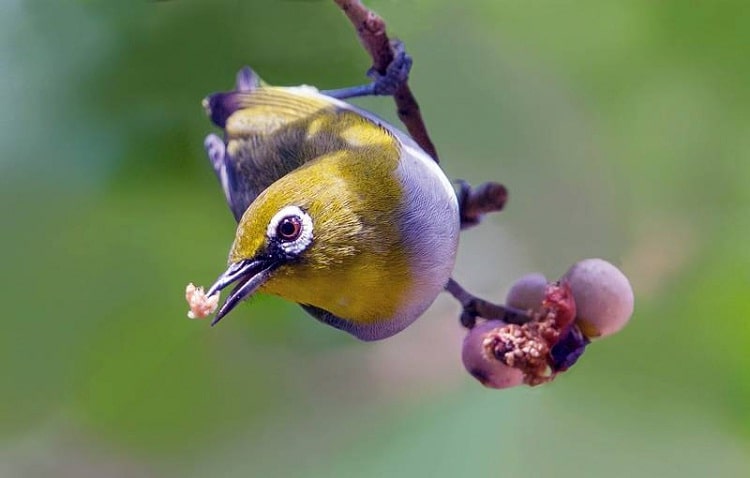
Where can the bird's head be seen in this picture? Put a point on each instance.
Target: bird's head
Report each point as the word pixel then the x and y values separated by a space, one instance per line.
pixel 320 236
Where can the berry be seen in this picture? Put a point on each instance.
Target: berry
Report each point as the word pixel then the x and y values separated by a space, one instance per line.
pixel 566 352
pixel 527 293
pixel 603 296
pixel 487 369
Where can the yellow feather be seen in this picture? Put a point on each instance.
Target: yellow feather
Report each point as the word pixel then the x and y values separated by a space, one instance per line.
pixel 356 267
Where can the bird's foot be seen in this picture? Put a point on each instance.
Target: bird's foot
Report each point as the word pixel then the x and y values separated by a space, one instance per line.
pixel 396 74
pixel 383 84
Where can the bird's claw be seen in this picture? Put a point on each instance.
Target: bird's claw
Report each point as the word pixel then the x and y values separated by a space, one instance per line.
pixel 383 84
pixel 396 74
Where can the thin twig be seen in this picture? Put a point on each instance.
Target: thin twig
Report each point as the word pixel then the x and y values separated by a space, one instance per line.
pixel 474 307
pixel 371 31
pixel 474 203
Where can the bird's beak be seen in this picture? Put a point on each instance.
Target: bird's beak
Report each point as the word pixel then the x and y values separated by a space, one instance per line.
pixel 249 274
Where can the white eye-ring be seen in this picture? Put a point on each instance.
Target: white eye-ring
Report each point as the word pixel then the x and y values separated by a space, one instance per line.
pixel 292 228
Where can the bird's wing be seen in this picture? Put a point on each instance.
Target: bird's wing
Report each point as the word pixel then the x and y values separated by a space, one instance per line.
pixel 271 131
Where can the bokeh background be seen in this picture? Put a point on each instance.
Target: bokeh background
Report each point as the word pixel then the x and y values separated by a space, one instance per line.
pixel 621 128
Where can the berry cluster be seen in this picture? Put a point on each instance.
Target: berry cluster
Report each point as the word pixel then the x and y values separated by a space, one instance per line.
pixel 592 299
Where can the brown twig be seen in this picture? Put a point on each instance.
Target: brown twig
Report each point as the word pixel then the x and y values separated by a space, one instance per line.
pixel 474 307
pixel 474 203
pixel 371 31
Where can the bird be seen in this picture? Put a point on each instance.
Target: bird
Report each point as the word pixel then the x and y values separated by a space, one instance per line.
pixel 337 210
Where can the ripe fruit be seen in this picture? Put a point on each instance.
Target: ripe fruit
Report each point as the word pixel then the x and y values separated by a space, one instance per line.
pixel 527 292
pixel 484 367
pixel 603 296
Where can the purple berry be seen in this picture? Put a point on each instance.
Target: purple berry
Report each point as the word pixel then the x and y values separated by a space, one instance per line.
pixel 488 370
pixel 527 293
pixel 603 296
pixel 566 352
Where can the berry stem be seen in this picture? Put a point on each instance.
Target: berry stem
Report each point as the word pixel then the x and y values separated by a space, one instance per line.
pixel 474 307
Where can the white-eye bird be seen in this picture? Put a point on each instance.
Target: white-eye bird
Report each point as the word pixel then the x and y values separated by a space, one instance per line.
pixel 338 210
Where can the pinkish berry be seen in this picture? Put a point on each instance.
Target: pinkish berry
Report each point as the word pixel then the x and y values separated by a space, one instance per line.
pixel 528 292
pixel 603 296
pixel 488 370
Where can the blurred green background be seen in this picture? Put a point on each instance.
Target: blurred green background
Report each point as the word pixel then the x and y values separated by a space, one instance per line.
pixel 622 130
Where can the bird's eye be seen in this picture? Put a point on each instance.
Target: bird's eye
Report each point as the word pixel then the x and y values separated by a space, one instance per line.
pixel 290 231
pixel 289 228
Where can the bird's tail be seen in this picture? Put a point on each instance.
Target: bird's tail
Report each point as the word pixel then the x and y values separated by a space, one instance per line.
pixel 220 106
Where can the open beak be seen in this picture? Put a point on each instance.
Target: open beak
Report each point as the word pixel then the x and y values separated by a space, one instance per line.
pixel 248 274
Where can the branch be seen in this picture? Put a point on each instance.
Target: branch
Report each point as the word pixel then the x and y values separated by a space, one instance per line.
pixel 371 31
pixel 474 203
pixel 474 307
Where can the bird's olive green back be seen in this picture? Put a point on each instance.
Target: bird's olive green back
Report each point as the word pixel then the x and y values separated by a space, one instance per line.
pixel 274 130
